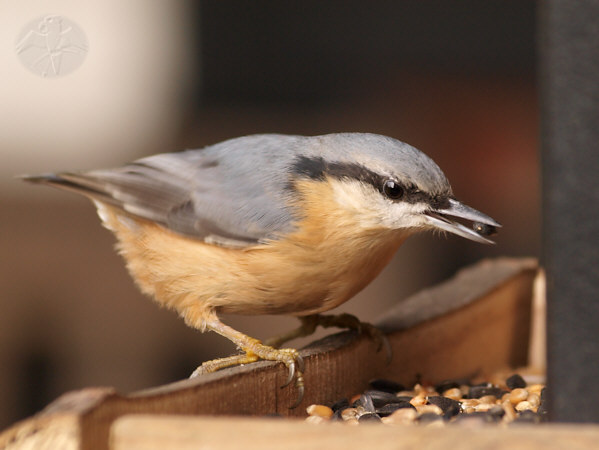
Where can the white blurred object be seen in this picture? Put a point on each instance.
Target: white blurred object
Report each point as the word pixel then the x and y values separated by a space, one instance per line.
pixel 537 352
pixel 121 101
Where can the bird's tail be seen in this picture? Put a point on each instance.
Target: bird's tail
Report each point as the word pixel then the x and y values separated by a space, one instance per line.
pixel 74 182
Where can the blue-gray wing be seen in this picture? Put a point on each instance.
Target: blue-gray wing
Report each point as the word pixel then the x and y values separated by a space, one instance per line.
pixel 231 194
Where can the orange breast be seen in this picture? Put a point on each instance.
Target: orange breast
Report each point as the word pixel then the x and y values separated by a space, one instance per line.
pixel 327 260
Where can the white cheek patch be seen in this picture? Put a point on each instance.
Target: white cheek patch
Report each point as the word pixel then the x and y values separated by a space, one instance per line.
pixel 405 215
pixel 374 210
pixel 352 194
pixel 359 199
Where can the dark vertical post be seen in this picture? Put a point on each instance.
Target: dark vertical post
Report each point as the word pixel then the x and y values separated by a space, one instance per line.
pixel 569 76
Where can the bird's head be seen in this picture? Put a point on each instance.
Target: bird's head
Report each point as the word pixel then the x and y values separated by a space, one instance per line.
pixel 387 183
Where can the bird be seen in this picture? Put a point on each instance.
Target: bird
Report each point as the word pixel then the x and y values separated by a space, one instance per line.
pixel 270 224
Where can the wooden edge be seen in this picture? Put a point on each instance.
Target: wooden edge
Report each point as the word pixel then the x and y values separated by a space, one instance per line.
pixel 465 287
pixel 58 430
pixel 486 333
pixel 477 339
pixel 178 432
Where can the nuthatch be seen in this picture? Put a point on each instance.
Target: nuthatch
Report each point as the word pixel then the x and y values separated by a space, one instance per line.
pixel 269 224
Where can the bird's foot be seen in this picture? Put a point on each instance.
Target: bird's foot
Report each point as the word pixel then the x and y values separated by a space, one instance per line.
pixel 349 321
pixel 254 350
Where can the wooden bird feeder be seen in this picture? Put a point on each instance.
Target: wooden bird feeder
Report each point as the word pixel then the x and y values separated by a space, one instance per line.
pixel 475 323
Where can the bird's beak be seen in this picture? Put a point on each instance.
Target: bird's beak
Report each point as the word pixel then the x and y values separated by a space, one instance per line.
pixel 482 225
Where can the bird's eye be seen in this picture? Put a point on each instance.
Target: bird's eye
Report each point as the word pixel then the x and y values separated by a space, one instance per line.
pixel 393 190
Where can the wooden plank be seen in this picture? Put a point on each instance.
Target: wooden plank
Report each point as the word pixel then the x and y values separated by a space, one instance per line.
pixel 485 327
pixel 480 322
pixel 232 433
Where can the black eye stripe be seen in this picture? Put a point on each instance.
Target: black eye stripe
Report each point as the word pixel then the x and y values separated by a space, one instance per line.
pixel 316 168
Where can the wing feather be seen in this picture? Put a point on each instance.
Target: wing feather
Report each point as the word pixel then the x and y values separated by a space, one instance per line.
pixel 205 194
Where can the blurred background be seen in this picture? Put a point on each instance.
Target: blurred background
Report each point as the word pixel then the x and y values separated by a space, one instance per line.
pixel 454 79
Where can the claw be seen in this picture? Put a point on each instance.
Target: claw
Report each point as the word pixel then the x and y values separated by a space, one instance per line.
pixel 299 384
pixel 353 323
pixel 291 375
pixel 253 351
pixel 296 370
pixel 381 339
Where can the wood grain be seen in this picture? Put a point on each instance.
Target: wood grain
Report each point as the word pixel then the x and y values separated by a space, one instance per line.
pixel 233 433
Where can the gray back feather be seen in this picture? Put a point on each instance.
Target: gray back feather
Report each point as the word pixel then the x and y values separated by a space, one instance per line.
pixel 236 193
